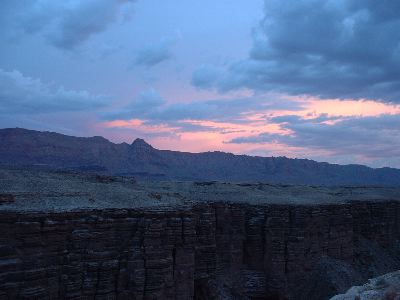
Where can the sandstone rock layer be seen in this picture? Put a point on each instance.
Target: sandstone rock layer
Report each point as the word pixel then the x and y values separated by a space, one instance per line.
pixel 208 251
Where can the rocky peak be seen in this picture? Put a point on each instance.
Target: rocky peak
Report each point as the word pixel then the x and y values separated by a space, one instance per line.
pixel 141 144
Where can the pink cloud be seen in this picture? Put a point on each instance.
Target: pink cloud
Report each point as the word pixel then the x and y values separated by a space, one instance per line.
pixel 139 125
pixel 212 135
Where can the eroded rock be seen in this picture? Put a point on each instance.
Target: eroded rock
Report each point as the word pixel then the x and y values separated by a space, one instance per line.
pixel 207 251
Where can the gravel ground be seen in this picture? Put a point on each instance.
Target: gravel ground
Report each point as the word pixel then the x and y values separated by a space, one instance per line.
pixel 35 190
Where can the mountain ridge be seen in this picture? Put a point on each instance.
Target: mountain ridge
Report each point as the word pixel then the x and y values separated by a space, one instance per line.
pixel 20 146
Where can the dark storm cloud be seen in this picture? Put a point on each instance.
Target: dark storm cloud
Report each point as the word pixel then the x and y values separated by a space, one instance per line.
pixel 65 24
pixel 374 137
pixel 24 95
pixel 326 48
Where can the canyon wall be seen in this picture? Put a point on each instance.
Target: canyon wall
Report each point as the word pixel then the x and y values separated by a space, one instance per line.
pixel 207 251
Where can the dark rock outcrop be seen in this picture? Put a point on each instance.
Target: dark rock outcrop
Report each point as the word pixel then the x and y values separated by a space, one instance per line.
pixel 214 250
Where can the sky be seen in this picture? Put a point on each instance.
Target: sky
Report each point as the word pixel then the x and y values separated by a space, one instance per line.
pixel 317 79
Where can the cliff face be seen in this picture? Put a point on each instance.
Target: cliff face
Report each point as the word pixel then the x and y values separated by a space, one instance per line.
pixel 208 251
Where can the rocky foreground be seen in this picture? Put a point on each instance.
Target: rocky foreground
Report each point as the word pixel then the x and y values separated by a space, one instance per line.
pixel 86 236
pixel 385 287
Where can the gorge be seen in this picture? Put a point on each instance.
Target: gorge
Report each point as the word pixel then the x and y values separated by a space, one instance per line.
pixel 79 236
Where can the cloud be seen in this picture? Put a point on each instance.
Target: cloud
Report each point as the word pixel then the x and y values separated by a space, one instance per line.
pixel 271 124
pixel 146 102
pixel 372 137
pixel 64 24
pixel 206 76
pixel 325 48
pixel 24 95
pixel 154 54
pixel 150 106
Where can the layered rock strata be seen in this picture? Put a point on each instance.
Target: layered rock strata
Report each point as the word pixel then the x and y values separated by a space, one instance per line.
pixel 215 250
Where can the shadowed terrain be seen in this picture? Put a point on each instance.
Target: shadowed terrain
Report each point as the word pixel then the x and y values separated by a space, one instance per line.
pixel 53 150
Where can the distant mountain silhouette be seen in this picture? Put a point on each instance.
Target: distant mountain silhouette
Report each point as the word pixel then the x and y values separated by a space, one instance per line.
pixel 22 147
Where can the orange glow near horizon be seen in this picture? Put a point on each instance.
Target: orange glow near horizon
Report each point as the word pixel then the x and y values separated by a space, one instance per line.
pixel 214 135
pixel 349 108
